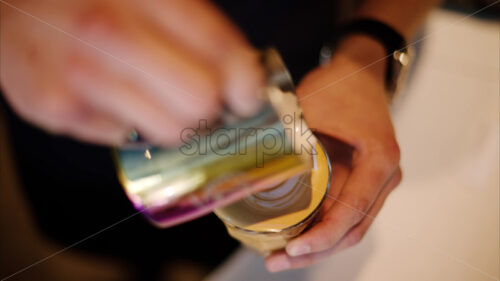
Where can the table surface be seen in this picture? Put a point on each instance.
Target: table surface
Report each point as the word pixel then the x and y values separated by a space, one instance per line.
pixel 442 223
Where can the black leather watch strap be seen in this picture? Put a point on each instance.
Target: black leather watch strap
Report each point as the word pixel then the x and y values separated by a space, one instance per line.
pixel 386 35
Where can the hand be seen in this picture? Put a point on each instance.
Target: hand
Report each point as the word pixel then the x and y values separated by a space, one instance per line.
pixel 354 115
pixel 114 66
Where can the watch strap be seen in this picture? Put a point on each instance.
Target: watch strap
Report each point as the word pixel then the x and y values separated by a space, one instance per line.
pixel 392 41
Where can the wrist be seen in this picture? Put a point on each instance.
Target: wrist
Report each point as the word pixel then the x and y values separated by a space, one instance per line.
pixel 365 51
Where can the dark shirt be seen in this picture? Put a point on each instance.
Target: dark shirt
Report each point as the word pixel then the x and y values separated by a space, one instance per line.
pixel 296 28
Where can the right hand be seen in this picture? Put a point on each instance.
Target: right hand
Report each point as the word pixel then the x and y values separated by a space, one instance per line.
pixel 95 70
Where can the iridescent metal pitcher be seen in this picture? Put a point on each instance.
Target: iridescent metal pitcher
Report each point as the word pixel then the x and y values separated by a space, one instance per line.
pixel 221 165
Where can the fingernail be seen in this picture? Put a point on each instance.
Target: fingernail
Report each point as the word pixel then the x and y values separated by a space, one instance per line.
pixel 278 264
pixel 298 250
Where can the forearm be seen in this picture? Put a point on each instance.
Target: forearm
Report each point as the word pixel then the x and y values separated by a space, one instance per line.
pixel 404 16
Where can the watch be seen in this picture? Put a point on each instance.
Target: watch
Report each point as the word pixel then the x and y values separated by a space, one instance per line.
pixel 398 52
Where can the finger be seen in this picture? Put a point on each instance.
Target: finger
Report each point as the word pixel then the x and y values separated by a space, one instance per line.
pixel 282 261
pixel 341 154
pixel 167 72
pixel 355 234
pixel 60 112
pixel 361 189
pixel 208 32
pixel 99 129
pixel 104 92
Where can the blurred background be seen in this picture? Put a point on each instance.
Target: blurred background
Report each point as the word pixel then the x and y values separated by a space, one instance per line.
pixel 442 223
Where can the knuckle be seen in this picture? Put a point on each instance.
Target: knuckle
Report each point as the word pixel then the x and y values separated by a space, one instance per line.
pixel 357 216
pixel 398 177
pixel 387 155
pixel 355 237
pixel 393 153
pixel 358 205
pixel 96 22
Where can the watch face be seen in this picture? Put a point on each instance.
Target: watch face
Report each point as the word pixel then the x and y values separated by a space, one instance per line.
pixel 400 61
pixel 402 56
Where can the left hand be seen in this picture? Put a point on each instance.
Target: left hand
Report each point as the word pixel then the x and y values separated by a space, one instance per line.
pixel 349 107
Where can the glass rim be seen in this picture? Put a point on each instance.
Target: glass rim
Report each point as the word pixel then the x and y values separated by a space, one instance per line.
pixel 303 221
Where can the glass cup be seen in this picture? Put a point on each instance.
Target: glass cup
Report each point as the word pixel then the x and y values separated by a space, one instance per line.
pixel 267 220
